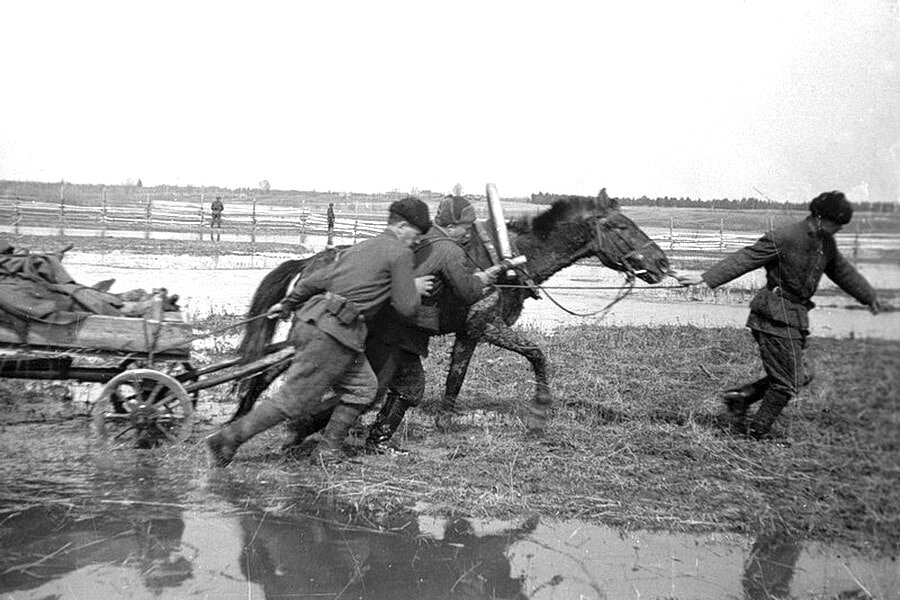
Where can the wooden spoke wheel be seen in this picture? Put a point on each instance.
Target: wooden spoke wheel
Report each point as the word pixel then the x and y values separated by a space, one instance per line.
pixel 144 406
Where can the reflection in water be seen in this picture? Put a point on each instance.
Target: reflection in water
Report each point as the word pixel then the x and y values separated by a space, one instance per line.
pixel 770 567
pixel 312 557
pixel 51 545
pixel 47 541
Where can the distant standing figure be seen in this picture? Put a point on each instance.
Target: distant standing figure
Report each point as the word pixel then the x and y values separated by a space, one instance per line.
pixel 216 222
pixel 217 207
pixel 795 258
pixel 330 216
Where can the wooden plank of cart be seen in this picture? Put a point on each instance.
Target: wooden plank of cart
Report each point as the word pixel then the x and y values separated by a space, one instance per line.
pixel 150 388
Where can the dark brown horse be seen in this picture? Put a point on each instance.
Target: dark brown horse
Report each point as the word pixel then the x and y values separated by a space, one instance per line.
pixel 572 228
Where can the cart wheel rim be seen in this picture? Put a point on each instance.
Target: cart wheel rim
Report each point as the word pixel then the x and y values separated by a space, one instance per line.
pixel 157 409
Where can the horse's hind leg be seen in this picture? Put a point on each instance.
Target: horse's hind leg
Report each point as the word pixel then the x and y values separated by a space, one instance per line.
pixel 463 348
pixel 502 336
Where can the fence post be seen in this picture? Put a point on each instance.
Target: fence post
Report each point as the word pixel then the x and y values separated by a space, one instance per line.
pixel 200 218
pixel 62 212
pixel 356 223
pixel 17 216
pixel 253 223
pixel 856 244
pixel 149 216
pixel 671 233
pixel 103 215
pixel 721 235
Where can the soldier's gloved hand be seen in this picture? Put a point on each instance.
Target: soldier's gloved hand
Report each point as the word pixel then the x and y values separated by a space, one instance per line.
pixel 425 284
pixel 277 311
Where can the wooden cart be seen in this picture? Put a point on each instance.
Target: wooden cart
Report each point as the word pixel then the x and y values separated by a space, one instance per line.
pixel 150 388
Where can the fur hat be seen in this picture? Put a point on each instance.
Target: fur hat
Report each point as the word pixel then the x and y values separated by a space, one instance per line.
pixel 413 211
pixel 455 211
pixel 833 206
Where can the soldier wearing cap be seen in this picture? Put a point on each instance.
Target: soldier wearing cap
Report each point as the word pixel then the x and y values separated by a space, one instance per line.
pixel 795 258
pixel 332 307
pixel 396 343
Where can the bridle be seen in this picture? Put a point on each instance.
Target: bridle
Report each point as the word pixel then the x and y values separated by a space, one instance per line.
pixel 623 247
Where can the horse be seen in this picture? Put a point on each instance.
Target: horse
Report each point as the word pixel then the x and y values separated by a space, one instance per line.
pixel 573 228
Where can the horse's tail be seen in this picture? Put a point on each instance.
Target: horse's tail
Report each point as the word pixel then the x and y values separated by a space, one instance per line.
pixel 273 287
pixel 259 332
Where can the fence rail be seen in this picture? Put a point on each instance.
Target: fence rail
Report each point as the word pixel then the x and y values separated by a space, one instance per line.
pixel 251 218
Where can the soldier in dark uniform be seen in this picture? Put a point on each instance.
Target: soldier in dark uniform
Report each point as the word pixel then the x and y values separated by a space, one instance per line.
pixel 399 344
pixel 333 306
pixel 330 216
pixel 795 257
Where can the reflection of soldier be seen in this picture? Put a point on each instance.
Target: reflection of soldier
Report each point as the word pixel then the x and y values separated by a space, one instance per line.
pixel 770 567
pixel 309 557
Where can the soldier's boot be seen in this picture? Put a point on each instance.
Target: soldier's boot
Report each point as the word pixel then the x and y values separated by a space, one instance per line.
pixel 386 423
pixel 771 406
pixel 223 444
pixel 301 429
pixel 330 447
pixel 738 401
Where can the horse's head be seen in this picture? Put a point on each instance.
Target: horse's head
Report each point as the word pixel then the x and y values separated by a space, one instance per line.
pixel 594 227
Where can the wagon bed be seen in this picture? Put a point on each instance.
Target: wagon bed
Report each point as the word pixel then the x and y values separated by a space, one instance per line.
pixel 150 388
pixel 168 337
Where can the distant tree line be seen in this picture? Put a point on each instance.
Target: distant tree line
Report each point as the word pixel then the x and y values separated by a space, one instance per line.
pixel 724 203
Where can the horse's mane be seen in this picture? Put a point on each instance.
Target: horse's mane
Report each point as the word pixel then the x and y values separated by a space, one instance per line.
pixel 564 208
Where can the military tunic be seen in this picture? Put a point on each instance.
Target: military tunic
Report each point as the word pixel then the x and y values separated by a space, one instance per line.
pixel 396 343
pixel 795 257
pixel 329 330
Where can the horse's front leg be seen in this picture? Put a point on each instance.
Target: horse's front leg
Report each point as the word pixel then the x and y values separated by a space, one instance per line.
pixel 501 335
pixel 461 355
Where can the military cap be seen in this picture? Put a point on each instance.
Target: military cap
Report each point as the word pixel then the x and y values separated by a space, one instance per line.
pixel 833 206
pixel 413 211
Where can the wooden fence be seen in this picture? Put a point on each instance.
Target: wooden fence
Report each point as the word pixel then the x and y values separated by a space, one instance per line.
pixel 250 218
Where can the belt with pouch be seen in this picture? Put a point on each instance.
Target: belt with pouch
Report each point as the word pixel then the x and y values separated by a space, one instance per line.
pixel 342 309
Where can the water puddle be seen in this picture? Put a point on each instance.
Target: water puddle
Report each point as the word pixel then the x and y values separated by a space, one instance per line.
pixel 155 550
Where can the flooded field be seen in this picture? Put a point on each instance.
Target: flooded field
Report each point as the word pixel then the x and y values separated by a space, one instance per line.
pixel 79 520
pixel 210 285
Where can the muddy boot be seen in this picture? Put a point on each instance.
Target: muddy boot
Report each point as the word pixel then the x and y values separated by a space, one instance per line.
pixel 772 405
pixel 301 429
pixel 386 423
pixel 330 448
pixel 739 400
pixel 224 443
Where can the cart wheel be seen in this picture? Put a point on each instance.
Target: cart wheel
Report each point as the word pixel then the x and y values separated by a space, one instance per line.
pixel 146 406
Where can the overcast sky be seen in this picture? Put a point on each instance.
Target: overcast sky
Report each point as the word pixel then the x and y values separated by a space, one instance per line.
pixel 687 98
